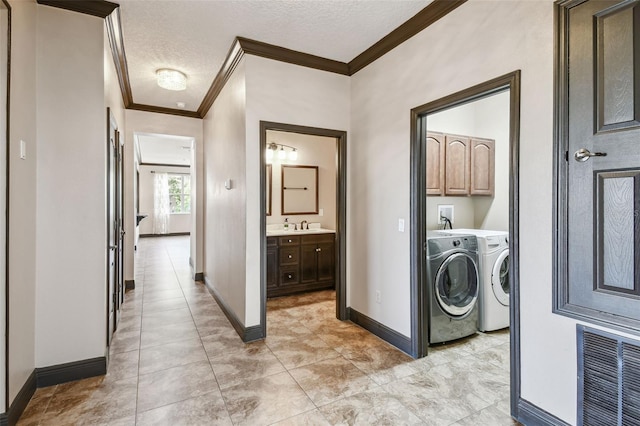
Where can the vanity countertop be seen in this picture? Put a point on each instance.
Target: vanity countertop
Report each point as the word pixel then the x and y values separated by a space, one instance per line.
pixel 281 232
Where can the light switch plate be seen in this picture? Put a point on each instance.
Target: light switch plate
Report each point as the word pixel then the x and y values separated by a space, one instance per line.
pixel 401 225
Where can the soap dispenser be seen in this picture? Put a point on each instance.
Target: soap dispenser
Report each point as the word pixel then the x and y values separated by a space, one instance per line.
pixel 286 224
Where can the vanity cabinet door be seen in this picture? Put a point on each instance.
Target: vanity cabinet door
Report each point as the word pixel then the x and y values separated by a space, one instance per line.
pixel 272 262
pixel 308 263
pixel 457 164
pixel 482 166
pixel 326 261
pixel 435 163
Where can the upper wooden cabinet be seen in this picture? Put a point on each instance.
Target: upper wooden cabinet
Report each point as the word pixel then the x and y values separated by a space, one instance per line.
pixel 435 163
pixel 482 166
pixel 460 165
pixel 457 163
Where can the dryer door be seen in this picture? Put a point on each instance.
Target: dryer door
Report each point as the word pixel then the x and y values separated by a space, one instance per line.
pixel 456 285
pixel 500 278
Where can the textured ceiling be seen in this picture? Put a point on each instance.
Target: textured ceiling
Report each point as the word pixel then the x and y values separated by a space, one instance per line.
pixel 164 149
pixel 194 36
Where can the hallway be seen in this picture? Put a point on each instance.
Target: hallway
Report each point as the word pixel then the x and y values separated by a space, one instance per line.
pixel 175 359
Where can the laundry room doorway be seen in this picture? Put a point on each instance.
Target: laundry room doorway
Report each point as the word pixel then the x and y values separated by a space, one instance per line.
pixel 464 225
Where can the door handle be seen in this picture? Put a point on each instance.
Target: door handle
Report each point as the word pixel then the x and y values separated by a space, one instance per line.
pixel 584 154
pixel 113 247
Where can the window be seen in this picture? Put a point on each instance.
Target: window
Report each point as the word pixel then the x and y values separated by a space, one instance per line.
pixel 180 193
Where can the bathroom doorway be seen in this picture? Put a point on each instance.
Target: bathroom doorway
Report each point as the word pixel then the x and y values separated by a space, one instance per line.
pixel 448 197
pixel 302 205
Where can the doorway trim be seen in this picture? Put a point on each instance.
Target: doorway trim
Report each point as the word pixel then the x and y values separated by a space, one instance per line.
pixel 419 294
pixel 341 213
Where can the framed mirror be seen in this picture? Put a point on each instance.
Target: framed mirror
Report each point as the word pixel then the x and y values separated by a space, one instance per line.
pixel 299 193
pixel 268 189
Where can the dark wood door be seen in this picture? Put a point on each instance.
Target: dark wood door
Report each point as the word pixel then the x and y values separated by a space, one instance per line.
pixel 326 261
pixel 308 263
pixel 119 232
pixel 603 192
pixel 112 227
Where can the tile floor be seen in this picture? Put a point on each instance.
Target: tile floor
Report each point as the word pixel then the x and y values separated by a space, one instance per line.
pixel 176 360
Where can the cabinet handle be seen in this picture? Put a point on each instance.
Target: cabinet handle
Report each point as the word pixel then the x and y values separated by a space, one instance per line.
pixel 289 276
pixel 289 256
pixel 289 240
pixel 318 249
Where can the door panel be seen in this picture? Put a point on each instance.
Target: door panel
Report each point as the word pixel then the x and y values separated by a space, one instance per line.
pixel 308 263
pixel 435 163
pixel 326 261
pixel 603 193
pixel 457 163
pixel 617 105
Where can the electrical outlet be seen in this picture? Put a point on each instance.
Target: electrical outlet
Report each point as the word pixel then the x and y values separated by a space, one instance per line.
pixel 401 225
pixel 378 297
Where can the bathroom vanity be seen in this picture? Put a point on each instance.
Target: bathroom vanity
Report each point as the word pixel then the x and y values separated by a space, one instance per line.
pixel 299 261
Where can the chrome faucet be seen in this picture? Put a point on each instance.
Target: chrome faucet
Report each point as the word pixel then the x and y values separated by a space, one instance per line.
pixel 302 224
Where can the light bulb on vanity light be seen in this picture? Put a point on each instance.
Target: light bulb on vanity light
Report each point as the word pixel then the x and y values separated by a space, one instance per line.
pixel 282 154
pixel 293 155
pixel 269 155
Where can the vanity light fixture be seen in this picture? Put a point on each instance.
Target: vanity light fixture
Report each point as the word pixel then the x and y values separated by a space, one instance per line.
pixel 171 79
pixel 283 154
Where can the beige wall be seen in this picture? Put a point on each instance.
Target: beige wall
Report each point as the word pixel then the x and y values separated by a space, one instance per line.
pixel 477 42
pixel 22 196
pixel 312 151
pixel 71 188
pixel 291 94
pixel 178 223
pixel 484 118
pixel 149 122
pixel 225 221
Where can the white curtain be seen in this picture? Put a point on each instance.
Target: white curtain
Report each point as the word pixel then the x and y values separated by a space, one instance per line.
pixel 161 205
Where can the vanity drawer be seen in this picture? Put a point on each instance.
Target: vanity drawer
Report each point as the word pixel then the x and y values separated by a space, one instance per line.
pixel 318 238
pixel 289 275
pixel 289 241
pixel 289 255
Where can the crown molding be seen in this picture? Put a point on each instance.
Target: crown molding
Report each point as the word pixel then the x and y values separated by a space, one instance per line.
pixel 114 34
pixel 421 20
pixel 98 8
pixel 228 67
pixel 270 51
pixel 163 110
pixel 241 46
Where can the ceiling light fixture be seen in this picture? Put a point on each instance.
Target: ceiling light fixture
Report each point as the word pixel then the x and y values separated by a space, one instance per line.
pixel 171 79
pixel 272 147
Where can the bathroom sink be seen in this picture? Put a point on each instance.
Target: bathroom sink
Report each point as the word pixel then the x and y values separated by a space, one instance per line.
pixel 299 232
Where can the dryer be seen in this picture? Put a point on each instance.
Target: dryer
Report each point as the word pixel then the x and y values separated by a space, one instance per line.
pixel 493 256
pixel 453 286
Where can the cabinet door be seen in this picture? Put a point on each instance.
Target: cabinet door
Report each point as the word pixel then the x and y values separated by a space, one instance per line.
pixel 482 166
pixel 272 267
pixel 326 261
pixel 308 263
pixel 457 163
pixel 435 163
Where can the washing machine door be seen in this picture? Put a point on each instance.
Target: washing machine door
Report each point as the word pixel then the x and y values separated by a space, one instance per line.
pixel 500 278
pixel 456 285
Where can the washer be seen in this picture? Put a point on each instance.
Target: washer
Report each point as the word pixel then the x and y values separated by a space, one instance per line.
pixel 453 283
pixel 493 255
